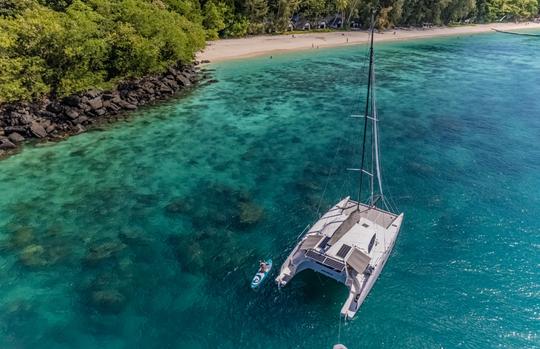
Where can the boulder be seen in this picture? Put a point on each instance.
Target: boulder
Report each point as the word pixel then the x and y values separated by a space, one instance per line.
pixel 37 130
pixel 82 119
pixel 125 105
pixel 108 96
pixel 18 129
pixel 6 144
pixel 172 84
pixel 133 101
pixel 47 114
pixel 72 101
pixel 113 107
pixel 50 128
pixel 133 96
pixel 54 107
pixel 79 129
pixel 15 137
pixel 72 113
pixel 22 118
pixel 95 103
pixel 165 89
pixel 99 112
pixel 184 80
pixel 92 93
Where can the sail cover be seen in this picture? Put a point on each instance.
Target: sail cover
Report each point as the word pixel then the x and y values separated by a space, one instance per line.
pixel 358 260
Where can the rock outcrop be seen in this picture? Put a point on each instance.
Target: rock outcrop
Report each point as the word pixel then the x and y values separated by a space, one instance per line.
pixel 52 118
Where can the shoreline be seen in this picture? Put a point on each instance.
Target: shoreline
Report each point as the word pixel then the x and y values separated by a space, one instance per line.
pixel 55 119
pixel 257 46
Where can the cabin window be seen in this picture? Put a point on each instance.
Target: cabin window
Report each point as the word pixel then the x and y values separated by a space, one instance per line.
pixel 365 225
pixel 371 243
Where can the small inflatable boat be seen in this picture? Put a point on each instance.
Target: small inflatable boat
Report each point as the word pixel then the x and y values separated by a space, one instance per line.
pixel 261 275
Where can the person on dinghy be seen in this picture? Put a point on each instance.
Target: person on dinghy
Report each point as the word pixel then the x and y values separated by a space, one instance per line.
pixel 263 266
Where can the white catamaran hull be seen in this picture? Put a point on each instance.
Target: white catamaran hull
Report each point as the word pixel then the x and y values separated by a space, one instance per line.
pixel 351 244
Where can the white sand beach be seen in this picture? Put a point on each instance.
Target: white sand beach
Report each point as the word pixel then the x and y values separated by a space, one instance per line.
pixel 227 49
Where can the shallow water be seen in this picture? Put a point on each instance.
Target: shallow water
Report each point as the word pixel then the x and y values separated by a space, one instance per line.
pixel 147 233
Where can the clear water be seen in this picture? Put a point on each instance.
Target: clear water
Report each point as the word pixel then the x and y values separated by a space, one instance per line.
pixel 147 233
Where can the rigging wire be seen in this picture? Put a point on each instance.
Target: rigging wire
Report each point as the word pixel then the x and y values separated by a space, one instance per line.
pixel 366 109
pixel 348 180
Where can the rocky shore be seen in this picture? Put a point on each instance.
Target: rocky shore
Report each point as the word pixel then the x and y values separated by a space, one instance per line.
pixel 55 119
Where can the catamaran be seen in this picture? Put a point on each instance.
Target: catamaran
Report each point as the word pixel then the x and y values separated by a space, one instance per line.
pixel 353 240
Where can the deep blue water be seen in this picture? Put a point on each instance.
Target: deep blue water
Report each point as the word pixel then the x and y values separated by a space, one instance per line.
pixel 146 234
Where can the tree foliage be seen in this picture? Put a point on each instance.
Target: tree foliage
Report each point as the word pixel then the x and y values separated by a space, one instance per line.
pixel 64 46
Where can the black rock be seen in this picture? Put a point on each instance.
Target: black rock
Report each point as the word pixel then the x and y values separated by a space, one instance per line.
pixel 18 129
pixel 37 130
pixel 99 112
pixel 92 93
pixel 6 144
pixel 72 113
pixel 55 108
pixel 125 105
pixel 165 89
pixel 113 107
pixel 184 80
pixel 108 96
pixel 95 103
pixel 171 83
pixel 79 129
pixel 72 101
pixel 47 114
pixel 82 119
pixel 26 119
pixel 15 137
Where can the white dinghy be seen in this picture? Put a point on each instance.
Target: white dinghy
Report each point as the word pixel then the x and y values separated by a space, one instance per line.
pixel 353 240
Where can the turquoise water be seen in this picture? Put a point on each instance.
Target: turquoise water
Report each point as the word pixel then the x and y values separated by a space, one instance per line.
pixel 146 234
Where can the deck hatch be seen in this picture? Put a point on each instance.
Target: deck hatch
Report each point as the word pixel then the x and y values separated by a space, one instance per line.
pixel 343 251
pixel 334 264
pixel 326 261
pixel 324 242
pixel 316 256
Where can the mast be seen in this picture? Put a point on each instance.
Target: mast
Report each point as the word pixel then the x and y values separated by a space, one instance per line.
pixel 370 114
pixel 366 112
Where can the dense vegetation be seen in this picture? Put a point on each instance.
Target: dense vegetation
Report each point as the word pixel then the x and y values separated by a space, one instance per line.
pixel 63 46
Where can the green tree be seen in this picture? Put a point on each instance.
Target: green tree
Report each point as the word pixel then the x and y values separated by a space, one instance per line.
pixel 256 11
pixel 214 18
pixel 283 11
pixel 342 6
